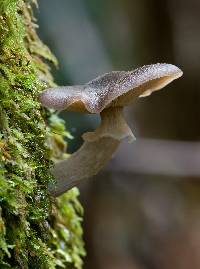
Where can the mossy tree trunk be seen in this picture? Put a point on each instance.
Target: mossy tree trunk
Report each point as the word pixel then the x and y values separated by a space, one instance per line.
pixel 36 231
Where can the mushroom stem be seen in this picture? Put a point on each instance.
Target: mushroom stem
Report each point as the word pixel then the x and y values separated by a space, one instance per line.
pixel 112 125
pixel 96 151
pixel 83 164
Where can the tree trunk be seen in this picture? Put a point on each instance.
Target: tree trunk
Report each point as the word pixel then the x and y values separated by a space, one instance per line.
pixel 36 231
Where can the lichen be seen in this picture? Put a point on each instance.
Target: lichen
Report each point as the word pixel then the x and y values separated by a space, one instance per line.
pixel 36 231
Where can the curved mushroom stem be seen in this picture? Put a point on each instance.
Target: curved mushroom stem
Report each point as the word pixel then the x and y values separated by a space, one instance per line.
pixel 96 151
pixel 83 164
pixel 112 125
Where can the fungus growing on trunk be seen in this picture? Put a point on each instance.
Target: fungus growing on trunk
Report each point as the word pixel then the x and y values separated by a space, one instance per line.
pixel 107 95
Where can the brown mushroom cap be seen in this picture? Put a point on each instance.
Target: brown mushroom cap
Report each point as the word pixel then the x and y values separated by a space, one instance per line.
pixel 117 88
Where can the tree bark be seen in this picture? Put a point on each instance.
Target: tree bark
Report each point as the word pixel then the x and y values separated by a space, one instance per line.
pixel 36 231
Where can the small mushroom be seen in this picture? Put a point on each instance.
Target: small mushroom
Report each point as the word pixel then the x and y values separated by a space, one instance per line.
pixel 107 95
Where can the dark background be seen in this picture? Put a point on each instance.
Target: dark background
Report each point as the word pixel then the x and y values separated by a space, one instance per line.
pixel 143 210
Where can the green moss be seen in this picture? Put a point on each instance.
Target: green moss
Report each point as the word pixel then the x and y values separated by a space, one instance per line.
pixel 36 231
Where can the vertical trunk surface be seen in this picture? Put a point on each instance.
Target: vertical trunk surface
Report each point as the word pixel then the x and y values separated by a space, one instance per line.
pixel 36 231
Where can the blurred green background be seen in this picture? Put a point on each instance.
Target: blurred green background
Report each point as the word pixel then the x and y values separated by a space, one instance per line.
pixel 143 210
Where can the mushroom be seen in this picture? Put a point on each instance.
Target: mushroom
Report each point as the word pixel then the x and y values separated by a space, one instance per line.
pixel 107 95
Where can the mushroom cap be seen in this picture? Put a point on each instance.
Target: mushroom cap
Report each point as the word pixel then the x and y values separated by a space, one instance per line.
pixel 114 89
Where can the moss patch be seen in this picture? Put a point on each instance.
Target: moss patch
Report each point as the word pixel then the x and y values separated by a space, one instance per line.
pixel 36 231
